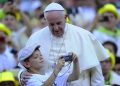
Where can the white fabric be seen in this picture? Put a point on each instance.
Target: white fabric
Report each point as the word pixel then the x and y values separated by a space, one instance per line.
pixel 115 78
pixel 76 40
pixel 53 6
pixel 7 60
pixel 38 80
pixel 90 77
pixel 20 38
pixel 102 37
pixel 35 5
pixel 96 76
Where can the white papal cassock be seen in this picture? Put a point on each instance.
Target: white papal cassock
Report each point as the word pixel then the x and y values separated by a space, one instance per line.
pixel 76 40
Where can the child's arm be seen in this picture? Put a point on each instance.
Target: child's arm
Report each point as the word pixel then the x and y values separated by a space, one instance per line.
pixel 76 69
pixel 53 76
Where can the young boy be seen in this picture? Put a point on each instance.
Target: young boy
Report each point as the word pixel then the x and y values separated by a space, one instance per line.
pixel 31 58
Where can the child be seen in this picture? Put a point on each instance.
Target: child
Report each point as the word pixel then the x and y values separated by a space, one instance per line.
pixel 31 58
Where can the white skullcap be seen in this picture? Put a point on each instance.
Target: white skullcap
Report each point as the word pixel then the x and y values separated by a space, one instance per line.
pixel 26 52
pixel 54 7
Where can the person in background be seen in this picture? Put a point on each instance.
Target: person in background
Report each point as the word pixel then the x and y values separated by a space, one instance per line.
pixel 7 59
pixel 11 19
pixel 107 29
pixel 7 79
pixel 110 76
pixel 60 38
pixel 41 23
pixel 112 47
pixel 117 65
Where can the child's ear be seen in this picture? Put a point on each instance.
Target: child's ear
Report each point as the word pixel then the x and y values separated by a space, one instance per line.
pixel 26 64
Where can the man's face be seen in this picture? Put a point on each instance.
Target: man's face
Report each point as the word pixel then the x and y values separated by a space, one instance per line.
pixel 56 22
pixel 112 20
pixel 10 21
pixel 36 61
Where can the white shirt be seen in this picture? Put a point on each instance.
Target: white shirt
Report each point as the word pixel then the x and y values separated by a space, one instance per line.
pixel 20 38
pixel 115 78
pixel 102 37
pixel 38 80
pixel 7 60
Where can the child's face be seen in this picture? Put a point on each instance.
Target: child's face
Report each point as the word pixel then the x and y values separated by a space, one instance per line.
pixel 36 61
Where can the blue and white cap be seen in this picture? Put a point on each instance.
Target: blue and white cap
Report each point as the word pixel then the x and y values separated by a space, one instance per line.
pixel 26 52
pixel 54 7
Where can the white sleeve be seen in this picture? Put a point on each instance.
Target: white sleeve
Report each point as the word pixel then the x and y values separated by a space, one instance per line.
pixel 34 81
pixel 62 80
pixel 19 74
pixel 37 80
pixel 22 68
pixel 97 78
pixel 99 49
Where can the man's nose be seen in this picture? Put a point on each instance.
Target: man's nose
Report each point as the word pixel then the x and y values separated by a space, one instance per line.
pixel 56 27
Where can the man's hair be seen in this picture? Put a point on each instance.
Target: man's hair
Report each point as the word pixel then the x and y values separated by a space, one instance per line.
pixel 113 44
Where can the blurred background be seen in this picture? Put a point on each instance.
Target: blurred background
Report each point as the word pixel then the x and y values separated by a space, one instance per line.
pixel 20 18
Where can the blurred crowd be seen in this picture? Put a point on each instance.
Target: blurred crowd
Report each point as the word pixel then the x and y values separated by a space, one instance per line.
pixel 21 18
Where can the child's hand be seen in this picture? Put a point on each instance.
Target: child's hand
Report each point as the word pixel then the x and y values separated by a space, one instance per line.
pixel 60 63
pixel 25 76
pixel 74 57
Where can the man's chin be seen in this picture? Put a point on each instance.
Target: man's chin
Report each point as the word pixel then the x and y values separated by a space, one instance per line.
pixel 58 35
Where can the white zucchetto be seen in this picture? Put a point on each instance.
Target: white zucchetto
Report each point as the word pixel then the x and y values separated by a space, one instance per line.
pixel 54 7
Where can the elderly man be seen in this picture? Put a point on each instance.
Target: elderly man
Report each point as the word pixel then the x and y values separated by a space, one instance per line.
pixel 60 38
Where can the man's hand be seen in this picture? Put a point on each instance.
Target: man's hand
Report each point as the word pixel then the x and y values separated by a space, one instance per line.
pixel 24 77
